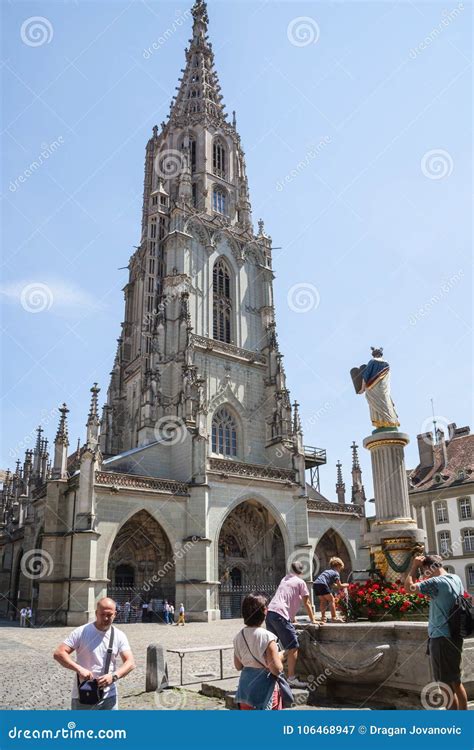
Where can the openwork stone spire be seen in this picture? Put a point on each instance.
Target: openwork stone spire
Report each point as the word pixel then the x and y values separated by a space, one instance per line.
pixel 340 486
pixel 199 94
pixel 62 433
pixel 358 491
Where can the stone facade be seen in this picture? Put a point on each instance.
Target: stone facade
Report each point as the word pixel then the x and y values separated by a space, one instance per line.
pixel 194 477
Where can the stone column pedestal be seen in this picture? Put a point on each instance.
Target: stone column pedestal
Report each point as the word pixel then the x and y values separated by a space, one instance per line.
pixel 394 535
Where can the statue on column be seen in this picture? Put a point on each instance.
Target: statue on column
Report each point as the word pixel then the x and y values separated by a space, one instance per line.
pixel 373 379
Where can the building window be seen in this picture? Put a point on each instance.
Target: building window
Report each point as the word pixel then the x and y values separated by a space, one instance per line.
pixel 222 302
pixel 219 201
pixel 153 229
pixel 219 159
pixel 224 434
pixel 470 576
pixel 468 541
pixel 442 512
pixel 444 539
pixel 195 194
pixel 465 509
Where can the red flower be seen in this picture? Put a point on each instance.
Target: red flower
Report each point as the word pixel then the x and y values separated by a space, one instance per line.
pixel 386 598
pixel 386 606
pixel 378 601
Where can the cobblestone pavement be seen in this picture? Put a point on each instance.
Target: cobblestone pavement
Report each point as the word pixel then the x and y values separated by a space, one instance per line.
pixel 36 681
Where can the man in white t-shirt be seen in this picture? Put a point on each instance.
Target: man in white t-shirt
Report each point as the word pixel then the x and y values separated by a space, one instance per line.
pixel 90 642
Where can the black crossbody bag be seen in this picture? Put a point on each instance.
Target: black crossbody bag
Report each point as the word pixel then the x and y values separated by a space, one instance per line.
pixel 287 697
pixel 89 691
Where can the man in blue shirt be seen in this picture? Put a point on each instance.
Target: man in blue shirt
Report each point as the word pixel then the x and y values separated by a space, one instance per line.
pixel 444 650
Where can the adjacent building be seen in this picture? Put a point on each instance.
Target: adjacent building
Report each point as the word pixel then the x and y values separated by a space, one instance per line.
pixel 441 491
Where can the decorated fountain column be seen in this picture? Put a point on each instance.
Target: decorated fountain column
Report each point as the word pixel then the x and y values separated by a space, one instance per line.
pixel 394 536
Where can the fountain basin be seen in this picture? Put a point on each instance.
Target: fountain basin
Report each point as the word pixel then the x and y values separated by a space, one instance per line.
pixel 383 664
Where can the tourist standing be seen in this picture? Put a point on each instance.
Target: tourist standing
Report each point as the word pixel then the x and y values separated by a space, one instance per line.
pixel 23 611
pixel 96 668
pixel 145 612
pixel 29 617
pixel 166 612
pixel 181 620
pixel 257 659
pixel 281 615
pixel 444 649
pixel 127 609
pixel 171 614
pixel 328 579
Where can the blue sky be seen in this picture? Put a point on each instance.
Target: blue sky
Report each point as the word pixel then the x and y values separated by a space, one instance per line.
pixel 356 123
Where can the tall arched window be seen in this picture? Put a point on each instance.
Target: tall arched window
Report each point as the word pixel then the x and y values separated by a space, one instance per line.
pixel 224 433
pixel 222 302
pixel 219 158
pixel 469 576
pixel 219 201
pixel 189 143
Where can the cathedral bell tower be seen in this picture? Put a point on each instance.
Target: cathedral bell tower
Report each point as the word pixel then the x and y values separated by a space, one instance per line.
pixel 198 357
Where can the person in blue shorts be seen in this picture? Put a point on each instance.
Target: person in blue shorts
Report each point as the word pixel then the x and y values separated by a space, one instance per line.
pixel 327 580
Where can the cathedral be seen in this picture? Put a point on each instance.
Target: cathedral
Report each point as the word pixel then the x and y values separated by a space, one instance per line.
pixel 191 484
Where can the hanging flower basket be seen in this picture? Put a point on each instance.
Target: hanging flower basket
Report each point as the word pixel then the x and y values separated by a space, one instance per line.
pixel 382 602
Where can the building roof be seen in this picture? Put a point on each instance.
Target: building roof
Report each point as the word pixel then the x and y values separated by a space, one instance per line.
pixel 452 466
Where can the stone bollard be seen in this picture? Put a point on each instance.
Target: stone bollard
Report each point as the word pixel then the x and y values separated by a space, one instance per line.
pixel 156 669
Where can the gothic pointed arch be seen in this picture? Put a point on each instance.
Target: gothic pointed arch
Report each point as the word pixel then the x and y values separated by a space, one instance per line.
pixel 251 554
pixel 253 253
pixel 222 300
pixel 220 200
pixel 224 237
pixel 224 440
pixel 141 559
pixel 219 157
pixel 331 544
pixel 196 227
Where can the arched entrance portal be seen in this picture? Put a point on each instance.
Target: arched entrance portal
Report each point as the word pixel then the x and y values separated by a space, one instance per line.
pixel 331 545
pixel 141 568
pixel 251 555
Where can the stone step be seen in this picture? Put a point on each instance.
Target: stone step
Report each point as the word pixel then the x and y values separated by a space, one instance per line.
pixel 226 689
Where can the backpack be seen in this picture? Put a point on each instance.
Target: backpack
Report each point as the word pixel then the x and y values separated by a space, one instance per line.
pixel 461 616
